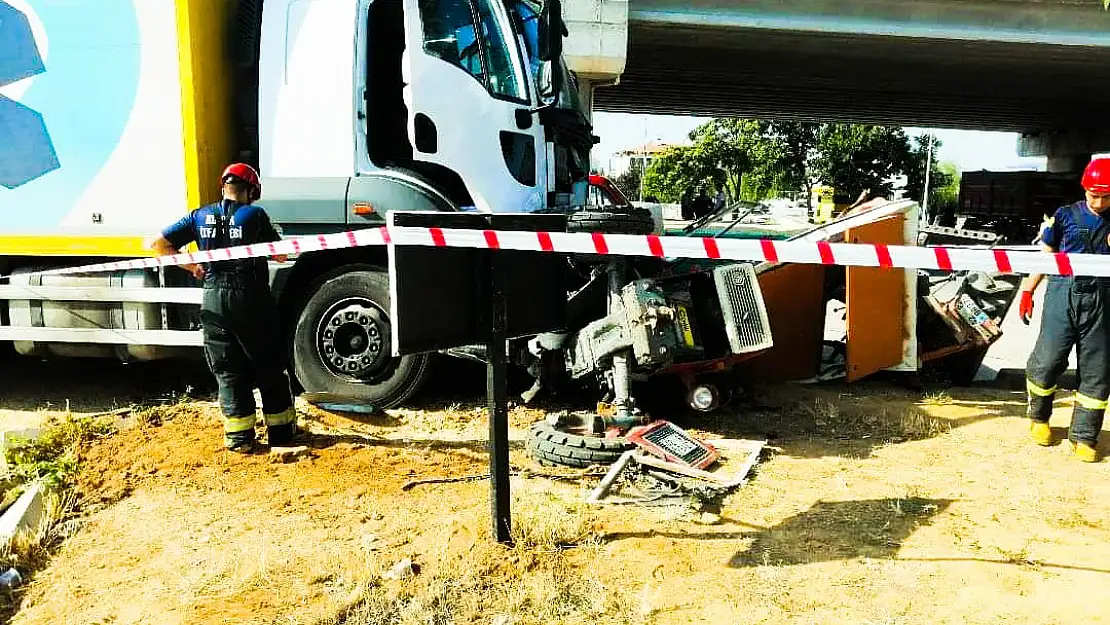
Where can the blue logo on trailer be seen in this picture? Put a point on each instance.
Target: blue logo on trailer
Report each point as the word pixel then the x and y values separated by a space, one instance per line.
pixel 60 133
pixel 27 151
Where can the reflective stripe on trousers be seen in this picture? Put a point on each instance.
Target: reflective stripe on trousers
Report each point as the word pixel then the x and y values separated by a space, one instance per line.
pixel 1074 315
pixel 242 346
pixel 236 425
pixel 282 418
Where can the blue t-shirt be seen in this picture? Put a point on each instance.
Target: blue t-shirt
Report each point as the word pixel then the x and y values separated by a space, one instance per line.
pixel 1072 227
pixel 226 224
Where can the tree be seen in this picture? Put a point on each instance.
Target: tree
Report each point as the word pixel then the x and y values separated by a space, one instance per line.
pixel 629 181
pixel 853 158
pixel 944 178
pixel 748 159
pixel 677 170
pixel 782 157
pixel 947 195
pixel 723 150
pixel 758 159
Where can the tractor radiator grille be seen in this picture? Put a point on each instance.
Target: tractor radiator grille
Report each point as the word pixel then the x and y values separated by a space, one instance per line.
pixel 746 322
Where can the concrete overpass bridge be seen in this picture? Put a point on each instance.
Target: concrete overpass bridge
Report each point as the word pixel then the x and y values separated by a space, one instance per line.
pixel 1039 67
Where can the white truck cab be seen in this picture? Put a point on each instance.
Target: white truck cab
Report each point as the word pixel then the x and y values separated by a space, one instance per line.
pixel 413 104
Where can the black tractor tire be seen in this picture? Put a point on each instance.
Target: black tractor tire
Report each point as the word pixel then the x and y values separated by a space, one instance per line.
pixel 552 447
pixel 636 221
pixel 389 381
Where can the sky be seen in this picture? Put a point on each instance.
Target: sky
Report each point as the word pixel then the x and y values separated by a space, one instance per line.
pixel 969 150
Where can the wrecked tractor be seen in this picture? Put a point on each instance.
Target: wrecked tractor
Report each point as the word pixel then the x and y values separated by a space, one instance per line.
pixel 633 320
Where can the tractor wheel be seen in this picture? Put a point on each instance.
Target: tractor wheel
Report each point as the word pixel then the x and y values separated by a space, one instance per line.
pixel 553 447
pixel 638 221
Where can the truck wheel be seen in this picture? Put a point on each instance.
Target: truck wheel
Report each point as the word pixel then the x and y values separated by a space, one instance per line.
pixel 552 447
pixel 637 221
pixel 342 343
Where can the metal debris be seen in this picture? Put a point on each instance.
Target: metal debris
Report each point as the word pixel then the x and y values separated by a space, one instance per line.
pixel 659 480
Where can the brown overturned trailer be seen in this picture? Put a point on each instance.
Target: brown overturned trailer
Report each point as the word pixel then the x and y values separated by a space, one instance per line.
pixel 851 322
pixel 823 322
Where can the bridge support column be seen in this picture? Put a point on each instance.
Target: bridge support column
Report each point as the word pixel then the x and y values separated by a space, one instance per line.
pixel 597 48
pixel 1066 163
pixel 1067 150
pixel 587 86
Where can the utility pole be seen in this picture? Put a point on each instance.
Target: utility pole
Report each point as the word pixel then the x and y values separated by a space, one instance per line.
pixel 643 161
pixel 928 170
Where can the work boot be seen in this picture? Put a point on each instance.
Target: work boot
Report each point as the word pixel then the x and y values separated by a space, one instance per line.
pixel 245 446
pixel 1042 434
pixel 281 427
pixel 281 435
pixel 1085 452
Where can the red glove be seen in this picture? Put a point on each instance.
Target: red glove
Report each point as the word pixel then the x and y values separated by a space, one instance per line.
pixel 1025 309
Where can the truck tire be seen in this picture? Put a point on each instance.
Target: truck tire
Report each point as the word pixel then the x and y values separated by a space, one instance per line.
pixel 637 221
pixel 552 447
pixel 342 342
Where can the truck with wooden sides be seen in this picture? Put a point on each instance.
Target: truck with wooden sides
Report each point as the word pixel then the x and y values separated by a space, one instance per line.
pixel 1011 204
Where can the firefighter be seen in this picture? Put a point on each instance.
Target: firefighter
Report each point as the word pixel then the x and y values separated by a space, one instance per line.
pixel 1076 313
pixel 239 319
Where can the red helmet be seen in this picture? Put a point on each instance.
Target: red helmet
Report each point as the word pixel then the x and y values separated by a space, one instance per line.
pixel 247 174
pixel 1096 178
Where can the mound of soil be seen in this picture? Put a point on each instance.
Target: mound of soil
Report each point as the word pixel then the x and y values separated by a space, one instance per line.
pixel 181 531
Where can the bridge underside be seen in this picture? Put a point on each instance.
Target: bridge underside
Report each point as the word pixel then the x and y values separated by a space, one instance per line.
pixel 895 80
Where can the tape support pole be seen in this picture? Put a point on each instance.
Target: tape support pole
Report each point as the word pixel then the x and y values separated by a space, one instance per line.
pixel 758 250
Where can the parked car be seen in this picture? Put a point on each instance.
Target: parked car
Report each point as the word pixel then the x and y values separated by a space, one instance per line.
pixel 606 195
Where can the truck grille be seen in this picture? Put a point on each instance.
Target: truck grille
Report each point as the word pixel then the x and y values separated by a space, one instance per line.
pixel 746 322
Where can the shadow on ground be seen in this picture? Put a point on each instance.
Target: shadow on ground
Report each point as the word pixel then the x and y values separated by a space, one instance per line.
pixel 325 441
pixel 840 530
pixel 852 420
pixel 828 531
pixel 95 385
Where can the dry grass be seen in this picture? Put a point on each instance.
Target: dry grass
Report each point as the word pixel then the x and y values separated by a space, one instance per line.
pixel 546 521
pixel 479 590
pixel 878 506
pixel 30 550
pixel 916 425
pixel 533 581
pixel 937 398
pixel 829 417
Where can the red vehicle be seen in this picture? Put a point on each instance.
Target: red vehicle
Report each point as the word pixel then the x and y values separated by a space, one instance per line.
pixel 604 193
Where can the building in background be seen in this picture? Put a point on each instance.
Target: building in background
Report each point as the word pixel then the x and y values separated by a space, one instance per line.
pixel 638 157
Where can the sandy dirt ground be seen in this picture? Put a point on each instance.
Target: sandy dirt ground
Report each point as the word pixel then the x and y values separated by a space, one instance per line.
pixel 873 504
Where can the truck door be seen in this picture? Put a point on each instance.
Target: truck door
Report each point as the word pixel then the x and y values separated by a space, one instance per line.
pixel 469 91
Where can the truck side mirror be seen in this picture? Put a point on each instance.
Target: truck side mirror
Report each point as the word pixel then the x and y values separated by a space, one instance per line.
pixel 546 81
pixel 552 30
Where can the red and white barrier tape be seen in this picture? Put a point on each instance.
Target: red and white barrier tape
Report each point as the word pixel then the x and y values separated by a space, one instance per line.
pixel 810 252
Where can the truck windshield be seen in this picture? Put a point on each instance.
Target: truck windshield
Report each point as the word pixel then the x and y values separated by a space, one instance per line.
pixel 476 36
pixel 527 19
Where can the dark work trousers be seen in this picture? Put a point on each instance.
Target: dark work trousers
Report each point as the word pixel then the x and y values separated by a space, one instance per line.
pixel 1075 314
pixel 243 346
